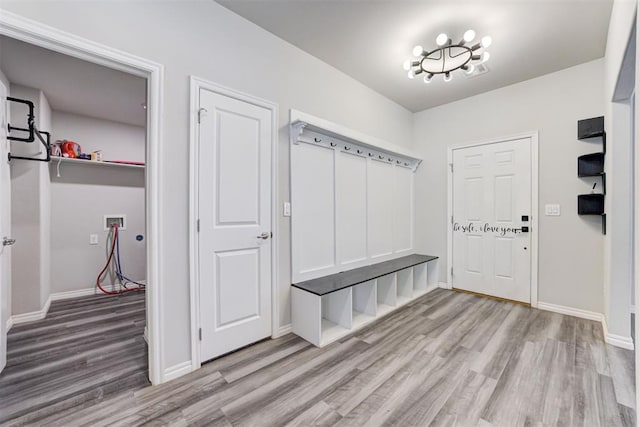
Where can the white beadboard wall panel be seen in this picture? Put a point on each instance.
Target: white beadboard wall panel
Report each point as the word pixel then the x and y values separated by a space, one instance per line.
pixel 403 205
pixel 380 187
pixel 313 209
pixel 351 209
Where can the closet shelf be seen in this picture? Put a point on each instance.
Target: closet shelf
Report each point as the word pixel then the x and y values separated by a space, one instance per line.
pixel 55 160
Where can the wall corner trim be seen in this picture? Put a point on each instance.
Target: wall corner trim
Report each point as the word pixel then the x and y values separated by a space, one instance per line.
pixel 176 371
pixel 16 319
pixel 283 330
pixel 9 323
pixel 616 340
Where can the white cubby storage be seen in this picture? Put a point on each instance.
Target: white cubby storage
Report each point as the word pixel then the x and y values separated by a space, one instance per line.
pixel 325 318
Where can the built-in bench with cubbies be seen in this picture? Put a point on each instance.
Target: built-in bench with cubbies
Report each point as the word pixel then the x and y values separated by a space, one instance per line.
pixel 327 308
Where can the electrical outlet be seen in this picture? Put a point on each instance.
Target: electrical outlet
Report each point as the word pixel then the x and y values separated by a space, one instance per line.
pixel 552 210
pixel 93 239
pixel 287 209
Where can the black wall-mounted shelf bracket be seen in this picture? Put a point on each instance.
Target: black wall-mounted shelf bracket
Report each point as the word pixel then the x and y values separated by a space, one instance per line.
pixel 32 131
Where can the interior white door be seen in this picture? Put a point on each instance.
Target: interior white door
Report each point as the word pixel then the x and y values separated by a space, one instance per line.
pixel 234 208
pixel 5 226
pixel 491 204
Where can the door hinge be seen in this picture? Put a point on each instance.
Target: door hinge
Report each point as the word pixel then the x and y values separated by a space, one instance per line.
pixel 200 334
pixel 451 219
pixel 198 225
pixel 451 270
pixel 451 166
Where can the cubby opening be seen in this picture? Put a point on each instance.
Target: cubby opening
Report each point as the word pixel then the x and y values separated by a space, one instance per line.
pixel 404 279
pixel 364 303
pixel 419 279
pixel 336 314
pixel 386 290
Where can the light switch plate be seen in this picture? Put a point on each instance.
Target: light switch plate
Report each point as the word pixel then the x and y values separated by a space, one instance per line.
pixel 286 211
pixel 552 210
pixel 93 239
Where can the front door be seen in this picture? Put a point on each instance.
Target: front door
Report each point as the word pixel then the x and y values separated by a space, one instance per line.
pixel 234 208
pixel 5 226
pixel 491 213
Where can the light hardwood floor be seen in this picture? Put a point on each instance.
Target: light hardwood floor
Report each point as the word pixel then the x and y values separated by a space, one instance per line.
pixel 446 359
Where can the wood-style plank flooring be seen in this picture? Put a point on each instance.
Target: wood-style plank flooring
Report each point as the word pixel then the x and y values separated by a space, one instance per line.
pixel 446 359
pixel 85 350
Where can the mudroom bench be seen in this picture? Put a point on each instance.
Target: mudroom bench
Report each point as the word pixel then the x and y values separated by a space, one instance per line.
pixel 328 308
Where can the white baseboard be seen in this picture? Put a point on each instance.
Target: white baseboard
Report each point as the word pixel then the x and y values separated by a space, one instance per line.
pixel 616 340
pixel 443 285
pixel 613 339
pixel 570 311
pixel 145 335
pixel 16 319
pixel 282 331
pixel 82 292
pixel 176 371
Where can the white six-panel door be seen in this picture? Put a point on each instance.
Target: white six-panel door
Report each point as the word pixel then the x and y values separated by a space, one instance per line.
pixel 491 194
pixel 234 209
pixel 5 226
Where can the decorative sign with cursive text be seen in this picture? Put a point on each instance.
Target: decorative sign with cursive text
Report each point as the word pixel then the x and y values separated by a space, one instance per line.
pixel 485 228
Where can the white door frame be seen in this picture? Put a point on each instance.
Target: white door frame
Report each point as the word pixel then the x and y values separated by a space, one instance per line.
pixel 194 133
pixel 38 34
pixel 534 206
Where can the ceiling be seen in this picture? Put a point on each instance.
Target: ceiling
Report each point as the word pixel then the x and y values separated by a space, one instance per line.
pixel 73 85
pixel 369 40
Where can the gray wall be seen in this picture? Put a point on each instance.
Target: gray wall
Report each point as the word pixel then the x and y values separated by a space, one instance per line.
pixel 204 39
pixel 83 194
pixel 29 210
pixel 570 246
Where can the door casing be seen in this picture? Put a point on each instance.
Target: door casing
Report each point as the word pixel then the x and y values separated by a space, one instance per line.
pixel 534 206
pixel 35 33
pixel 196 84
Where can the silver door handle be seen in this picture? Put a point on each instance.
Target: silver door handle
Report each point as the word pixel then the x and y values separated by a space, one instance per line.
pixel 264 236
pixel 7 241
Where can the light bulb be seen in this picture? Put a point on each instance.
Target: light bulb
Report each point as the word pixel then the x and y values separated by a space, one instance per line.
pixel 447 77
pixel 485 56
pixel 427 78
pixel 417 51
pixel 469 35
pixel 406 65
pixel 411 74
pixel 486 41
pixel 442 39
pixel 470 69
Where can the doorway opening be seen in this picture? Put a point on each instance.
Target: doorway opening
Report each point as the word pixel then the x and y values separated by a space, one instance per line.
pixel 73 283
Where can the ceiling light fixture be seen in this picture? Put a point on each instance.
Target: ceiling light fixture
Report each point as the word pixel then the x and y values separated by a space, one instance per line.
pixel 448 57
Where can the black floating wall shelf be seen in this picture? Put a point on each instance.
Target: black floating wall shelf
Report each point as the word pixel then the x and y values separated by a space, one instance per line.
pixel 590 204
pixel 592 165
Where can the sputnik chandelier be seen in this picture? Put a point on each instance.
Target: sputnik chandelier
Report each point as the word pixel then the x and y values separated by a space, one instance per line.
pixel 448 57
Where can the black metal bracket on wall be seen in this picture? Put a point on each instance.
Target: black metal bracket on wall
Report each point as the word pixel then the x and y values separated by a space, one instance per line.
pixel 31 130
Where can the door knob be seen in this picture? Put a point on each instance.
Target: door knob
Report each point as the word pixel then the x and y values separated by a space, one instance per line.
pixel 7 241
pixel 264 236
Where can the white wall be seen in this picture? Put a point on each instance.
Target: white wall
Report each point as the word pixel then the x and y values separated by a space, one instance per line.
pixel 570 246
pixel 204 39
pixel 618 253
pixel 83 194
pixel 6 291
pixel 29 209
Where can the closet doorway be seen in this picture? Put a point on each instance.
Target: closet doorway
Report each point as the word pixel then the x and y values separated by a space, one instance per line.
pixel 95 208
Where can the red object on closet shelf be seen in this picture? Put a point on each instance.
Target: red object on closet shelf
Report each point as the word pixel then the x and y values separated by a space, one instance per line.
pixel 71 149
